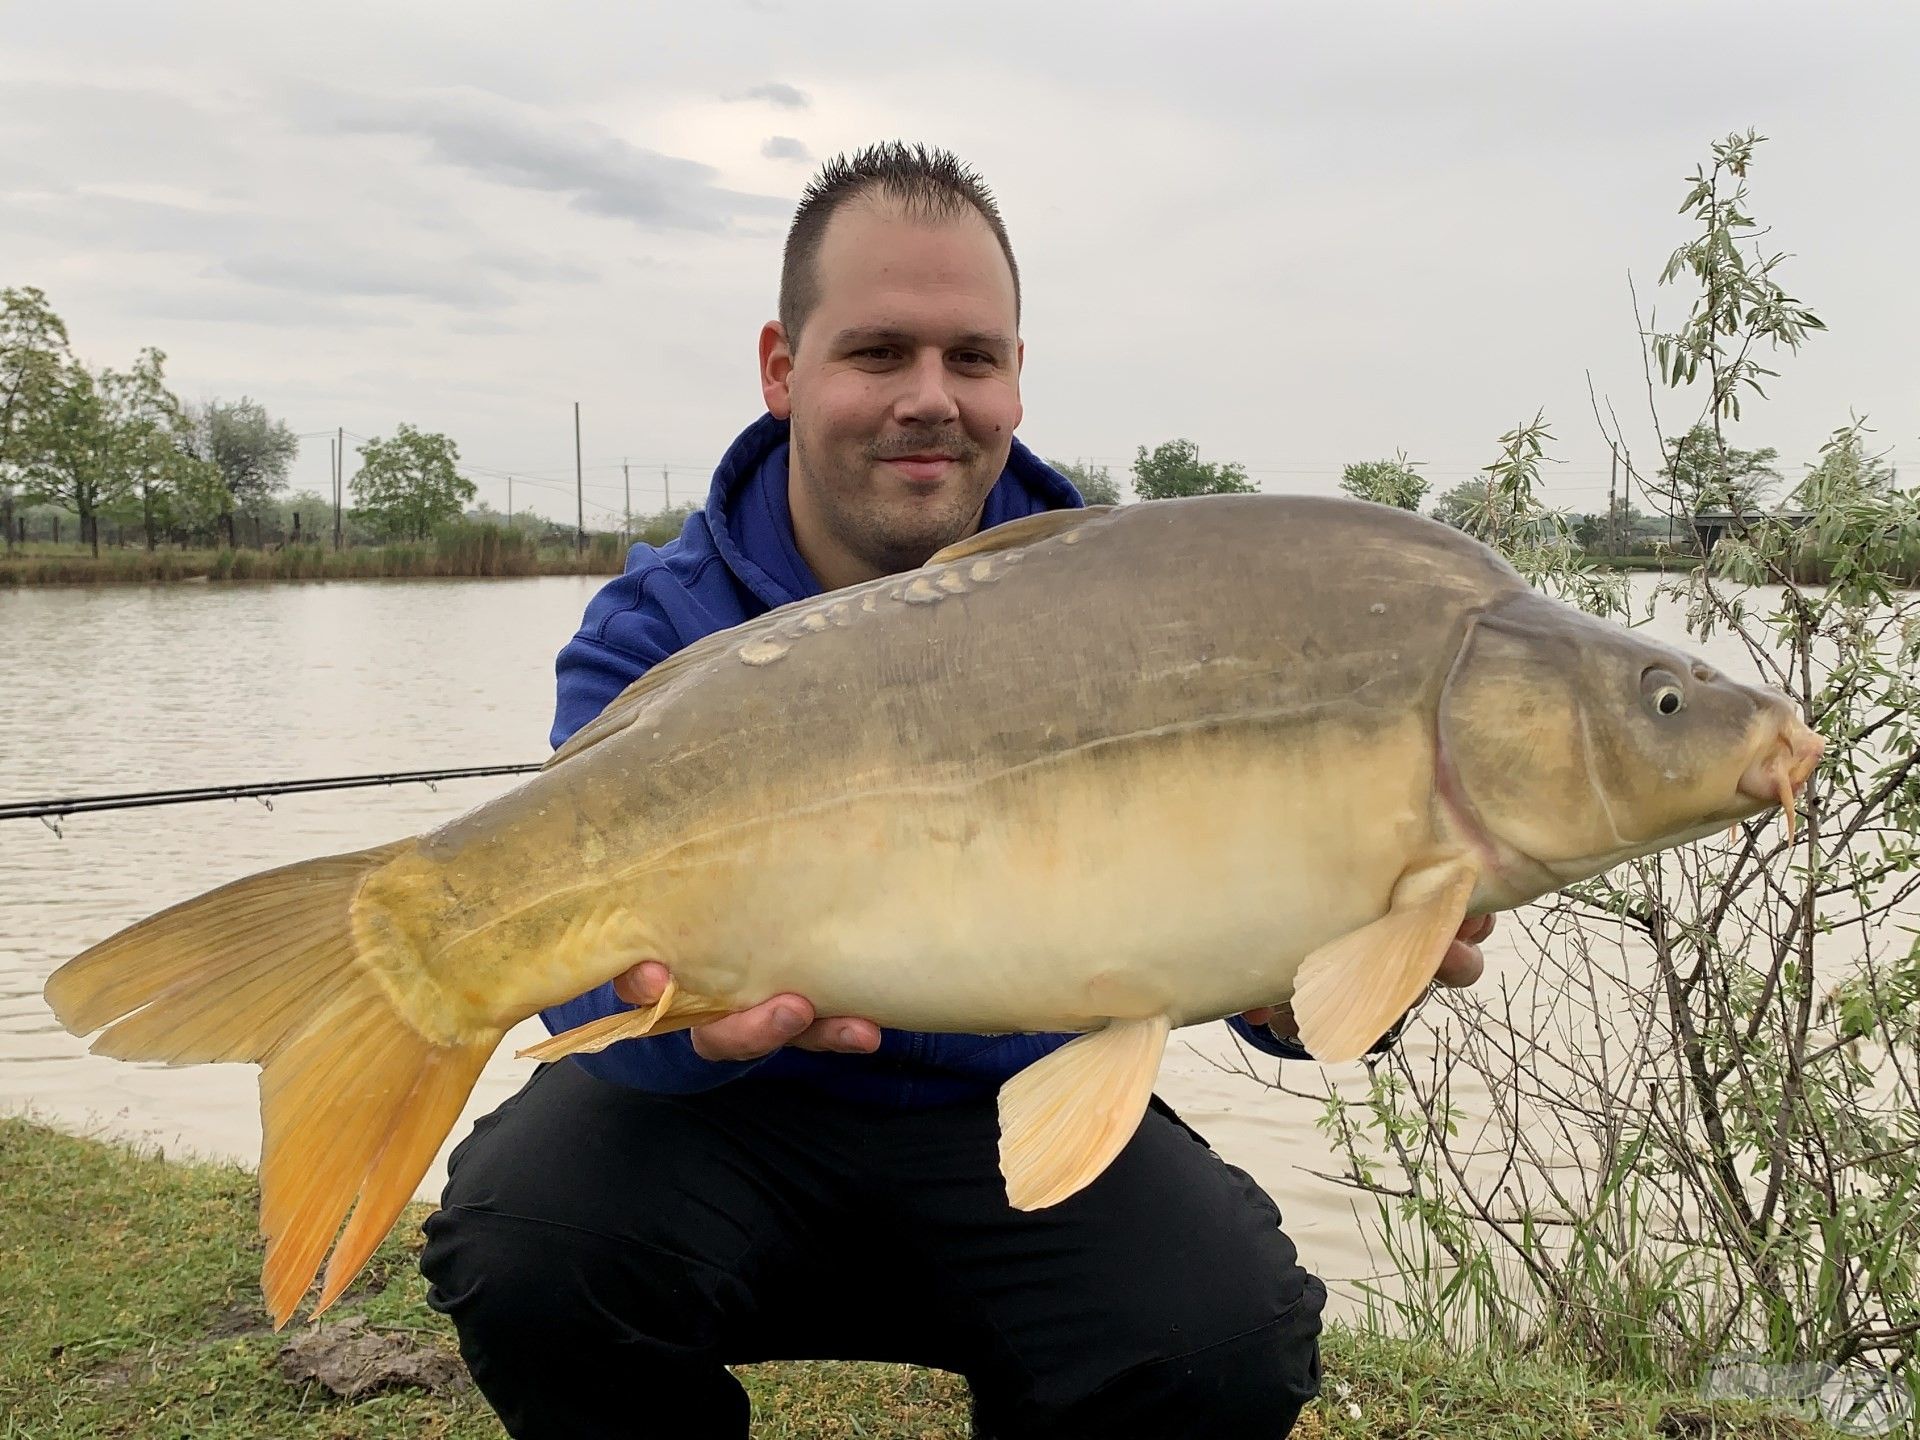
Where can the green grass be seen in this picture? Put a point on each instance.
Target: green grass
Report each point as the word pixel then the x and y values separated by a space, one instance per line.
pixel 1643 562
pixel 129 1307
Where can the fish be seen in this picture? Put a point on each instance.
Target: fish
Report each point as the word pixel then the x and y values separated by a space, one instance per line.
pixel 1109 771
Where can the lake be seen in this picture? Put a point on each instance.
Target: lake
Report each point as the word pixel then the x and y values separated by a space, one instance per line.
pixel 159 686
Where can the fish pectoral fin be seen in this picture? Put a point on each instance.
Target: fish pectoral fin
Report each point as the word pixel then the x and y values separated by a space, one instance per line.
pixel 676 1009
pixel 1351 991
pixel 1065 1117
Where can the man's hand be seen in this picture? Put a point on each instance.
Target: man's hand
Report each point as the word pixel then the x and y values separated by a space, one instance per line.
pixel 761 1030
pixel 1460 967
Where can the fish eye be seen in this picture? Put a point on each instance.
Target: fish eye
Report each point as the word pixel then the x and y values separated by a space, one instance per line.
pixel 1662 691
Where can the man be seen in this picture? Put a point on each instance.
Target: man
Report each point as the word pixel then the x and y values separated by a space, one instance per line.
pixel 784 1184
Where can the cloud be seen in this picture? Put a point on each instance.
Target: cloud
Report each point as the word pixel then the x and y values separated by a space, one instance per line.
pixel 784 147
pixel 787 97
pixel 219 304
pixel 521 265
pixel 372 277
pixel 466 280
pixel 532 149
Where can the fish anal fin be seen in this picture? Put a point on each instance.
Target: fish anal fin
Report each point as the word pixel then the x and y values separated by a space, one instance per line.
pixel 676 1009
pixel 1065 1117
pixel 1023 531
pixel 1350 991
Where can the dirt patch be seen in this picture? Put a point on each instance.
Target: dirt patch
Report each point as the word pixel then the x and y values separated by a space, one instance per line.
pixel 351 1361
pixel 238 1321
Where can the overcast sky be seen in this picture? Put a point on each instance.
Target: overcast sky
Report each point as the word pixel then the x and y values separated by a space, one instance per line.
pixel 1299 234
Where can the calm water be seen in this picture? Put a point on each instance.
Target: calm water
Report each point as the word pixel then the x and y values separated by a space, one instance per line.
pixel 150 687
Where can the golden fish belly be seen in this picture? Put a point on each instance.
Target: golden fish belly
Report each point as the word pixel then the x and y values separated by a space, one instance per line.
pixel 1184 875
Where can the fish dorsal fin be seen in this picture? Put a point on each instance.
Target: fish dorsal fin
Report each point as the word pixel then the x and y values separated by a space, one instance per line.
pixel 623 707
pixel 1019 532
pixel 1352 990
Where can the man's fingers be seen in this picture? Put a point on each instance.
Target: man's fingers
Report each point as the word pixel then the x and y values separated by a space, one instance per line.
pixel 1462 965
pixel 643 984
pixel 841 1034
pixel 753 1032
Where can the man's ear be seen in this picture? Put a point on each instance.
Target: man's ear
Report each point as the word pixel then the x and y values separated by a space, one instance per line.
pixel 1019 366
pixel 776 370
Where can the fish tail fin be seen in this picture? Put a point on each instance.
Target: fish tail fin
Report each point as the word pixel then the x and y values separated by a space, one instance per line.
pixel 354 1099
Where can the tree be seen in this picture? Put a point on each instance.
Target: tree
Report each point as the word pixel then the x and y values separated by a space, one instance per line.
pixel 249 448
pixel 410 483
pixel 1602 531
pixel 1175 469
pixel 33 352
pixel 1468 506
pixel 77 469
pixel 1505 506
pixel 1094 482
pixel 1703 473
pixel 148 445
pixel 1845 474
pixel 1386 482
pixel 1732 1170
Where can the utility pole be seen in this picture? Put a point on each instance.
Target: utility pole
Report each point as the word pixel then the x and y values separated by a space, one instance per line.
pixel 509 502
pixel 1613 504
pixel 339 483
pixel 667 484
pixel 579 488
pixel 340 486
pixel 626 519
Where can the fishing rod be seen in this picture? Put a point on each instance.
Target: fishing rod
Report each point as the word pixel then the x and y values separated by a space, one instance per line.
pixel 51 812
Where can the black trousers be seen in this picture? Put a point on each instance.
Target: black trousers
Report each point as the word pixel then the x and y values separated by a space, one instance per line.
pixel 605 1254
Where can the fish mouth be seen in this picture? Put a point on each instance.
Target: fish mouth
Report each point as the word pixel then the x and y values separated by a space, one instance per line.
pixel 1780 773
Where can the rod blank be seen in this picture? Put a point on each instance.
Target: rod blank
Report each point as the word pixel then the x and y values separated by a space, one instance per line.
pixel 140 800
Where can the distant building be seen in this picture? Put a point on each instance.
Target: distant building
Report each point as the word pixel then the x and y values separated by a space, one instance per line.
pixel 1710 525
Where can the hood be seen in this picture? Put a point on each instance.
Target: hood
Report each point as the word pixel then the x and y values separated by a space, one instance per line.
pixel 752 527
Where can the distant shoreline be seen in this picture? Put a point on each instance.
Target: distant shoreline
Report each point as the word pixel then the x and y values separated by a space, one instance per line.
pixel 402 562
pixel 421 562
pixel 385 562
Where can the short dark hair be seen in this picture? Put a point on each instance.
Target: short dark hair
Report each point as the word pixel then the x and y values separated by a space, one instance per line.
pixel 928 183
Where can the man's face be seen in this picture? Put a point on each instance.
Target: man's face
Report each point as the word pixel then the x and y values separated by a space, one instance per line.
pixel 903 393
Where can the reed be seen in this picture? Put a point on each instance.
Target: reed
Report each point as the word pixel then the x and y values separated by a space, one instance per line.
pixel 462 550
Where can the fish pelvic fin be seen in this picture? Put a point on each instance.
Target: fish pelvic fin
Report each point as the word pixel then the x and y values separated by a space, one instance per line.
pixel 354 1099
pixel 1065 1117
pixel 676 1009
pixel 1352 990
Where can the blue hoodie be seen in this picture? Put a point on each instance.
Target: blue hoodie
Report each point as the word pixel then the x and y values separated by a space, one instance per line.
pixel 736 559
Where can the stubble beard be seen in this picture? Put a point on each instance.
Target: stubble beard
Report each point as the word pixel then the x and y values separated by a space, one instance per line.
pixel 893 537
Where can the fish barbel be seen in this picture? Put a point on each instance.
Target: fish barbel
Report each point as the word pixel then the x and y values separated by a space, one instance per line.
pixel 1109 771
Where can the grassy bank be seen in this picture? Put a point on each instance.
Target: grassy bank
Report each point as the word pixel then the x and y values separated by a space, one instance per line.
pixel 1644 562
pixel 468 551
pixel 129 1307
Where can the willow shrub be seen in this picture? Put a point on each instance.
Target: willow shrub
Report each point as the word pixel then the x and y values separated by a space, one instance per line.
pixel 1689 1131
